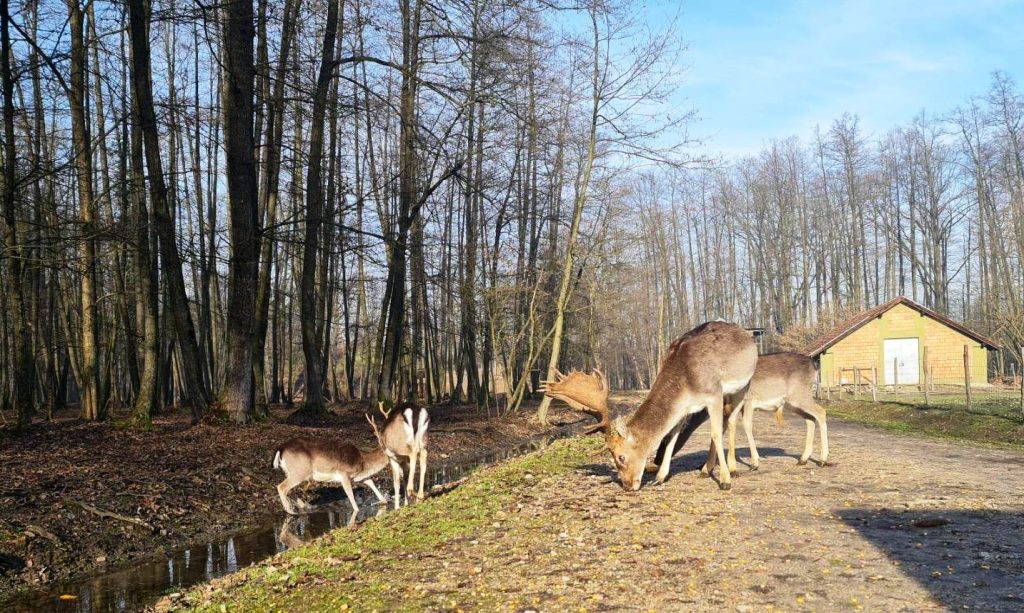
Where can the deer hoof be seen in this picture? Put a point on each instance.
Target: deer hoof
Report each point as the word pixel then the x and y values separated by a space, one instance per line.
pixel 801 462
pixel 726 486
pixel 827 463
pixel 703 475
pixel 651 467
pixel 754 467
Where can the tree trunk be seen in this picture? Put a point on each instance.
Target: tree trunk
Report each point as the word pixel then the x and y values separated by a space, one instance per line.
pixel 309 296
pixel 237 396
pixel 196 392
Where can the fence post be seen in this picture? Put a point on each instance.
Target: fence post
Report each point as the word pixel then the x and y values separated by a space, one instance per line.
pixel 927 398
pixel 856 384
pixel 895 373
pixel 967 375
pixel 874 384
pixel 1022 383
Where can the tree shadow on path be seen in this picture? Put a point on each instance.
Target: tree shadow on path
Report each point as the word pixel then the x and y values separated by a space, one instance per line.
pixel 965 558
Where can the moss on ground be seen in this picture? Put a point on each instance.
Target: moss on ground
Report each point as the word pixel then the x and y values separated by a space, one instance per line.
pixel 357 567
pixel 937 421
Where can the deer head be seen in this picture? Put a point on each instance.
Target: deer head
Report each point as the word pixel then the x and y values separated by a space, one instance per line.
pixel 583 392
pixel 629 457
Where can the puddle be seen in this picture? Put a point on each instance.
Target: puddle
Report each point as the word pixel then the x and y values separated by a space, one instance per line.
pixel 141 583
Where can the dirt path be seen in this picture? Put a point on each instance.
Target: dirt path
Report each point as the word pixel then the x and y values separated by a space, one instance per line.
pixel 901 523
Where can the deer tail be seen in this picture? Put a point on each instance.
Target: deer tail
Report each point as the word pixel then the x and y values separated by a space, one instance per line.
pixel 778 417
pixel 277 459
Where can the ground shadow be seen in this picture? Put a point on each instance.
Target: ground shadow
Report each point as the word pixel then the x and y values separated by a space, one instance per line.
pixel 687 462
pixel 965 558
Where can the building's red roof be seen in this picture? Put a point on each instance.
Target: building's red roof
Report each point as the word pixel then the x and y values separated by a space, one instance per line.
pixel 854 323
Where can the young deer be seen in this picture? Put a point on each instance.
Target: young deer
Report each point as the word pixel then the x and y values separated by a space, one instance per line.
pixel 404 435
pixel 781 381
pixel 713 359
pixel 303 459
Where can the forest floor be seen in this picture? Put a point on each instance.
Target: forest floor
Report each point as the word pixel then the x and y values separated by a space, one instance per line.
pixel 78 497
pixel 900 523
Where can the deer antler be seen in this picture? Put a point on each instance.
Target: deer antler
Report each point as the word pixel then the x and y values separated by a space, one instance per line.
pixel 585 393
pixel 380 407
pixel 376 430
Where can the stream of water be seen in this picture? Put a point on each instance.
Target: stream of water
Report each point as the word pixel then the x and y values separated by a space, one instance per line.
pixel 141 583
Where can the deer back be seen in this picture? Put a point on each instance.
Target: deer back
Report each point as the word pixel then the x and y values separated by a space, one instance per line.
pixel 304 457
pixel 712 359
pixel 405 429
pixel 783 375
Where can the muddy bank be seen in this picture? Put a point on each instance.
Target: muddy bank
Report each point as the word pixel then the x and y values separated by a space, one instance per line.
pixel 77 497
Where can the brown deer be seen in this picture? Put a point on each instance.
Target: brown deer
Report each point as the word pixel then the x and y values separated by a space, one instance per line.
pixel 404 435
pixel 712 360
pixel 306 459
pixel 781 381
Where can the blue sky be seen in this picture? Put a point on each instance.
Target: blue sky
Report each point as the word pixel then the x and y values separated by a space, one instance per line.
pixel 759 70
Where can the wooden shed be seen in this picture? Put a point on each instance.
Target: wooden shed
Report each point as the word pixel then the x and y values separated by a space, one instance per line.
pixel 896 340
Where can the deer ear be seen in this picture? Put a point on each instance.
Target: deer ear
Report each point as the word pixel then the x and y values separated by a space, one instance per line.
pixel 619 429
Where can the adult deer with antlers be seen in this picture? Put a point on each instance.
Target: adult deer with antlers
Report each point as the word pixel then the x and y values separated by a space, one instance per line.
pixel 708 362
pixel 404 435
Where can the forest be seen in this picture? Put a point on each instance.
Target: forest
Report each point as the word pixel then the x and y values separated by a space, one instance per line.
pixel 225 207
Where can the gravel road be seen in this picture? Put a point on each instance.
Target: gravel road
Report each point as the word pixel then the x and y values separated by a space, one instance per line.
pixel 899 523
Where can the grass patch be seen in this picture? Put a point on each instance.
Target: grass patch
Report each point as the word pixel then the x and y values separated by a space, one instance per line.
pixel 944 421
pixel 358 567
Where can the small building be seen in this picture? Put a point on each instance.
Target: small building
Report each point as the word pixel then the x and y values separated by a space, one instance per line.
pixel 898 340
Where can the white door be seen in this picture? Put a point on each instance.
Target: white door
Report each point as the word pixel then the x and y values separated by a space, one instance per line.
pixel 901 361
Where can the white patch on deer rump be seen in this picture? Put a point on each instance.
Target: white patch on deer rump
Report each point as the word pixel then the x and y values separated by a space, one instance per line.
pixel 410 432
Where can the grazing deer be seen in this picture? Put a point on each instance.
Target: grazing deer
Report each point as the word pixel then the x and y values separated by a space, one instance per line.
pixel 710 361
pixel 781 381
pixel 404 435
pixel 306 459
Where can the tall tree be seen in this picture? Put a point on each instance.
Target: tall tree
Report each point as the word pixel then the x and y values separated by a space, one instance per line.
pixel 311 298
pixel 238 395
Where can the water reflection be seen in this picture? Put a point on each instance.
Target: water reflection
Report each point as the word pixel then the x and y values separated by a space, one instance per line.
pixel 135 587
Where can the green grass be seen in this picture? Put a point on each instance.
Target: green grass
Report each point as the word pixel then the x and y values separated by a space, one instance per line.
pixel 356 567
pixel 1000 403
pixel 992 420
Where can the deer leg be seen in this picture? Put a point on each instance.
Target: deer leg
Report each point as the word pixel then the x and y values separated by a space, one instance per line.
pixel 666 459
pixel 816 411
pixel 396 476
pixel 715 414
pixel 709 464
pixel 373 488
pixel 808 441
pixel 824 440
pixel 410 490
pixel 736 404
pixel 731 456
pixel 423 472
pixel 346 484
pixel 748 429
pixel 282 490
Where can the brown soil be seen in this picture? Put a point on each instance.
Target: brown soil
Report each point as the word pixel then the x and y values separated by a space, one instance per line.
pixel 77 496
